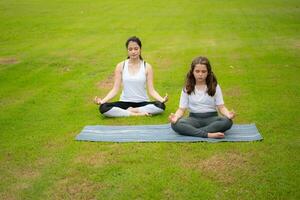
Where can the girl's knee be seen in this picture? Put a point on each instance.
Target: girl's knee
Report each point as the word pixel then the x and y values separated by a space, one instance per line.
pixel 177 126
pixel 174 126
pixel 227 123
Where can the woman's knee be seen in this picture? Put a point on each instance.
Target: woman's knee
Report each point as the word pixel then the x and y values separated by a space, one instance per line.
pixel 160 105
pixel 103 108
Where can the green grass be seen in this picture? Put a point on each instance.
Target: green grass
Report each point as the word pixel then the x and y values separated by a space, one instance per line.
pixel 59 51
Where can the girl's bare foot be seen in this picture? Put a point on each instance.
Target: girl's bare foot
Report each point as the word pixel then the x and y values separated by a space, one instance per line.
pixel 217 135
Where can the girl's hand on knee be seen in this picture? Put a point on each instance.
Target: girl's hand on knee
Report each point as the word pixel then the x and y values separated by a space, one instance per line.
pixel 173 118
pixel 97 100
pixel 231 115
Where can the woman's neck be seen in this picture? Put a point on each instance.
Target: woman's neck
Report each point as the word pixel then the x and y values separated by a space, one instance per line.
pixel 134 60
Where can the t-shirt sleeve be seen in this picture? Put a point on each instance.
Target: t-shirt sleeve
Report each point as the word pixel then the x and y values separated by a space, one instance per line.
pixel 184 100
pixel 218 96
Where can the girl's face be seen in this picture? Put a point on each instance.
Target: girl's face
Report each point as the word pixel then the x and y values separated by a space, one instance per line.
pixel 134 50
pixel 200 73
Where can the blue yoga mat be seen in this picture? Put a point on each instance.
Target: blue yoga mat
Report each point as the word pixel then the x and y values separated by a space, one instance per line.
pixel 161 133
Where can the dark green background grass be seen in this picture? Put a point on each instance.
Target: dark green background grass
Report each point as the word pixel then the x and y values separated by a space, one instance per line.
pixel 56 56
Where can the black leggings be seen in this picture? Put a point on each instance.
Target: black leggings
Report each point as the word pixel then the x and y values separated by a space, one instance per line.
pixel 124 105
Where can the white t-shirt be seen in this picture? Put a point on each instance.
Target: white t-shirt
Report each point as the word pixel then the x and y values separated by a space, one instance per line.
pixel 134 86
pixel 200 102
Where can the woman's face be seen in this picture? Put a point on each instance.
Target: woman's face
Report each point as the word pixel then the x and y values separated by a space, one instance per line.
pixel 200 73
pixel 134 50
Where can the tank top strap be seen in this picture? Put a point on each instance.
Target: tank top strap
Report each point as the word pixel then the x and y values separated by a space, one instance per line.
pixel 142 67
pixel 123 64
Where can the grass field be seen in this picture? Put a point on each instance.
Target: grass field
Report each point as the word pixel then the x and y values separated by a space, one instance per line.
pixel 55 56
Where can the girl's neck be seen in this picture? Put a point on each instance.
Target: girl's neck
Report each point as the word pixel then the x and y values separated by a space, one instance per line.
pixel 200 86
pixel 200 83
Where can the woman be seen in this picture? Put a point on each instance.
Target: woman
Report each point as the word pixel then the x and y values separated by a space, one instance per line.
pixel 135 75
pixel 203 97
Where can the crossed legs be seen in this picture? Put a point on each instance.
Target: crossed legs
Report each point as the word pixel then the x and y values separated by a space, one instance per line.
pixel 125 109
pixel 202 127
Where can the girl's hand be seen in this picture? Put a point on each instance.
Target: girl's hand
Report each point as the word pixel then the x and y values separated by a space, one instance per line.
pixel 231 115
pixel 98 100
pixel 173 118
pixel 165 99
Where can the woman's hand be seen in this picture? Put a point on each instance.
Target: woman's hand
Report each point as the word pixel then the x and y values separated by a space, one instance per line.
pixel 165 99
pixel 173 118
pixel 98 100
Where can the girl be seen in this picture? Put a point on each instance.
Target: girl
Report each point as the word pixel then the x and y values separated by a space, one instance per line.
pixel 134 73
pixel 202 96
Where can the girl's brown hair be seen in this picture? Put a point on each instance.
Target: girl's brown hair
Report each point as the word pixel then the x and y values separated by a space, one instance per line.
pixel 211 80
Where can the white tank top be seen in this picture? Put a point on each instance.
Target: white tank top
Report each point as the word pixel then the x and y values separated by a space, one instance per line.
pixel 134 86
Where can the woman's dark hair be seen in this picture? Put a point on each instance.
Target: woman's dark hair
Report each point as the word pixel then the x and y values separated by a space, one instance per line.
pixel 136 40
pixel 211 80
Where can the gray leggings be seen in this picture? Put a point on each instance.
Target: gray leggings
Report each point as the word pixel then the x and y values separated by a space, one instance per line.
pixel 199 124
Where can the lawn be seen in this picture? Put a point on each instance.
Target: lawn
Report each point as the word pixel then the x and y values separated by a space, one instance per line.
pixel 55 56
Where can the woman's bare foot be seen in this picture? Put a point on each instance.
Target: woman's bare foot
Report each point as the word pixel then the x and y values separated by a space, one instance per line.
pixel 140 114
pixel 136 112
pixel 217 135
pixel 133 110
